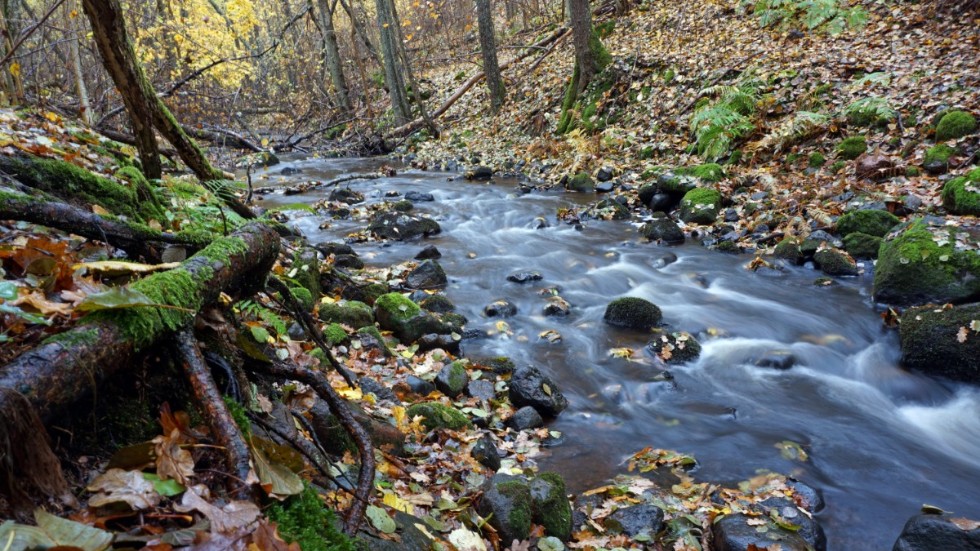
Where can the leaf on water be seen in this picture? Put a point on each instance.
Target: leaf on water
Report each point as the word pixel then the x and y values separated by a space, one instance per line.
pixel 380 520
pixel 172 460
pixel 229 519
pixel 119 486
pixel 624 353
pixel 462 538
pixel 117 297
pixel 792 451
pixel 276 479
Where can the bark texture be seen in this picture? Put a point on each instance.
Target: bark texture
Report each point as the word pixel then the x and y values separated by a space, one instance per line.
pixel 580 17
pixel 488 45
pixel 393 73
pixel 331 55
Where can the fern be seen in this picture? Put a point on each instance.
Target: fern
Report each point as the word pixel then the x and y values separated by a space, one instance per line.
pixel 797 128
pixel 830 15
pixel 720 124
pixel 254 310
pixel 869 112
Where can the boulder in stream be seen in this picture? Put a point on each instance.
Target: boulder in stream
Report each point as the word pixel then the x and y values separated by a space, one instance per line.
pixel 675 348
pixel 701 206
pixel 633 313
pixel 943 341
pixel 405 319
pixel 400 226
pixel 793 531
pixel 920 263
pixel 835 262
pixel 662 229
pixel 479 174
pixel 530 387
pixel 939 532
pixel 427 275
pixel 502 308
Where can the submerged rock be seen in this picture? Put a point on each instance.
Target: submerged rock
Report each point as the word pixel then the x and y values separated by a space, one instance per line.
pixel 675 348
pixel 943 341
pixel 835 262
pixel 777 359
pixel 502 308
pixel 525 276
pixel 400 226
pixel 430 252
pixel 633 313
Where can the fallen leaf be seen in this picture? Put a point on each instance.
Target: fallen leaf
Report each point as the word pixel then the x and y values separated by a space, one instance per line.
pixel 119 486
pixel 226 520
pixel 173 461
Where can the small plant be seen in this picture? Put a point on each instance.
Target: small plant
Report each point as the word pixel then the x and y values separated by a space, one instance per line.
pixel 831 15
pixel 873 111
pixel 253 310
pixel 719 125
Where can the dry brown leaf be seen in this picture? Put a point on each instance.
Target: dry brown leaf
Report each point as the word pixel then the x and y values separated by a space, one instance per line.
pixel 119 486
pixel 965 523
pixel 228 520
pixel 266 538
pixel 172 460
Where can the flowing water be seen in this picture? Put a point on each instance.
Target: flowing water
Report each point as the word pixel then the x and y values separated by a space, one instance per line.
pixel 881 441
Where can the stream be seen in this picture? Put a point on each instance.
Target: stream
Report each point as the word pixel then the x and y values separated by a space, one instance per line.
pixel 881 441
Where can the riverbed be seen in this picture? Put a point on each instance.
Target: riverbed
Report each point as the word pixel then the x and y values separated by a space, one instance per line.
pixel 880 441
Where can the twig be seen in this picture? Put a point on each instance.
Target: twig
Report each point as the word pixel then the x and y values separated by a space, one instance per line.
pixel 30 31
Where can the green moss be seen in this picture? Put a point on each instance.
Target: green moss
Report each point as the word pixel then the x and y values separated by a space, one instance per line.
pixel 304 519
pixel 912 171
pixel 633 313
pixel 954 125
pixel 710 172
pixel 646 152
pixel 352 313
pixel 70 339
pixel 334 334
pixel 852 147
pixel 581 182
pixel 520 513
pixel 238 413
pixel 551 507
pixel 789 249
pixel 962 195
pixel 568 103
pixel 837 167
pixel 437 303
pixel 306 270
pixel 913 268
pixel 816 160
pixel 871 222
pixel 402 206
pixel 700 206
pixel 436 415
pixel 397 307
pixel 862 245
pixel 500 365
pixel 303 296
pixel 835 262
pixel 149 202
pixel 938 155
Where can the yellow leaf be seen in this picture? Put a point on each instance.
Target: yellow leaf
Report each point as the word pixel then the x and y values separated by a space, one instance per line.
pixel 395 502
pixel 398 413
pixel 15 69
pixel 351 393
pixel 114 268
pixel 99 210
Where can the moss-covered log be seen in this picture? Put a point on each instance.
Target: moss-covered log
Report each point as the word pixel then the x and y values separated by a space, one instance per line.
pixel 68 366
pixel 136 239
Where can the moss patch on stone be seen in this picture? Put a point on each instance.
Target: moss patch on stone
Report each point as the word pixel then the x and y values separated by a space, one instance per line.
pixel 436 415
pixel 852 147
pixel 352 313
pixel 396 307
pixel 700 206
pixel 954 125
pixel 938 155
pixel 710 172
pixel 961 195
pixel 335 334
pixel 862 245
pixel 871 222
pixel 816 160
pixel 305 519
pixel 581 183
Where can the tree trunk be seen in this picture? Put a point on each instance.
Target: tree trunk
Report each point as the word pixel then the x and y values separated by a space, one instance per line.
pixel 357 28
pixel 489 46
pixel 331 55
pixel 393 75
pixel 580 16
pixel 79 73
pixel 146 110
pixel 412 82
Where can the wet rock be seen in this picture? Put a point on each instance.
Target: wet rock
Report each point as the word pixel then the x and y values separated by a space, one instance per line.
pixel 507 503
pixel 835 262
pixel 500 308
pixel 605 187
pixel 427 275
pixel 419 386
pixel 604 174
pixel 419 197
pixel 862 245
pixel 914 268
pixel 789 250
pixel 935 532
pixel 452 379
pixel 334 249
pixel 734 533
pixel 635 520
pixel 485 452
pixel 675 348
pixel 815 240
pixel 540 223
pixel 346 195
pixel 530 387
pixel 525 418
pixel 348 261
pixel 431 341
pixel 550 506
pixel 479 173
pixel 809 497
pixel 870 222
pixel 351 313
pixel 607 209
pixel 481 389
pixel 557 306
pixel 662 202
pixel 405 319
pixel 290 171
pixel 439 304
pixel 664 260
pixel 932 341
pixel 409 536
pixel 430 252
pixel 662 229
pixel 370 386
pixel 633 313
pixel 525 277
pixel 501 365
pixel 777 359
pixel 400 226
pixel 807 528
pixel 581 183
pixel 402 206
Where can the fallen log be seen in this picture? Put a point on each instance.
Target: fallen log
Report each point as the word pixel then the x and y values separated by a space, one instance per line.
pixel 67 366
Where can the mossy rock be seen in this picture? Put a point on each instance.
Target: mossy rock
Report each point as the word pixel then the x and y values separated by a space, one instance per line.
pixel 303 297
pixel 836 167
pixel 305 519
pixel 396 313
pixel 501 365
pixel 852 147
pixel 436 415
pixel 507 503
pixel 675 348
pixel 789 250
pixel 402 206
pixel 550 506
pixel 931 342
pixel 334 334
pixel 351 313
pixel 633 313
pixel 862 245
pixel 835 262
pixel 700 206
pixel 710 172
pixel 954 125
pixel 871 222
pixel 913 268
pixel 306 270
pixel 937 158
pixel 581 183
pixel 961 195
pixel 367 294
pixel 400 226
pixel 451 379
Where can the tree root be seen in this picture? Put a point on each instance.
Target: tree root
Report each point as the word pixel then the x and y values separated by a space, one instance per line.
pixel 217 416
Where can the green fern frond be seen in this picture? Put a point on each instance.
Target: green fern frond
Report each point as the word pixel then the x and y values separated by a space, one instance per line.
pixel 254 310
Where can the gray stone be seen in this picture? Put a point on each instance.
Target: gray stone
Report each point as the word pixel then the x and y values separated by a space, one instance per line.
pixel 525 276
pixel 633 313
pixel 525 418
pixel 500 308
pixel 485 452
pixel 427 275
pixel 507 502
pixel 635 520
pixel 428 253
pixel 777 359
pixel 935 533
pixel 530 387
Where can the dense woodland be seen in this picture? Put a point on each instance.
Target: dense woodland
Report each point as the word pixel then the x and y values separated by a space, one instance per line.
pixel 181 368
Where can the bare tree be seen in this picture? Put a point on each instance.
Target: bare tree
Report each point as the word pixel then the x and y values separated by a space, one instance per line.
pixel 488 44
pixel 387 25
pixel 586 44
pixel 331 53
